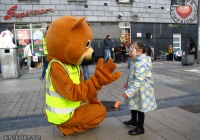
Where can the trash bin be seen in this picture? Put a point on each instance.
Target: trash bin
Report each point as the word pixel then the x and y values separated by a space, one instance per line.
pixel 187 59
pixel 9 63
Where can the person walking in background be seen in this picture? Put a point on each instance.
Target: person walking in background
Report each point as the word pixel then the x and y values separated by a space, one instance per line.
pixel 28 55
pixel 192 49
pixel 123 52
pixel 85 68
pixel 139 93
pixel 45 55
pixel 86 72
pixel 107 48
pixel 117 52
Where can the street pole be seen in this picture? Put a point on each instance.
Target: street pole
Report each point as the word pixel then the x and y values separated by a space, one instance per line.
pixel 198 38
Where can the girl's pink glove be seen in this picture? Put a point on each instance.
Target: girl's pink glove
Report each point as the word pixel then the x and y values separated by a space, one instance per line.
pixel 125 85
pixel 124 95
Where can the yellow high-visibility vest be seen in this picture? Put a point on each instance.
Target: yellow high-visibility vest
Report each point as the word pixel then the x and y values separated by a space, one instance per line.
pixel 58 109
pixel 44 45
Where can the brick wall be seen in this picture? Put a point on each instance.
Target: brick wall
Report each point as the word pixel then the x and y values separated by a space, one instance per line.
pixel 96 11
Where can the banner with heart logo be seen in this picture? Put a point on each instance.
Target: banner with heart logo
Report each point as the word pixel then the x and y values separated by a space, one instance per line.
pixel 185 13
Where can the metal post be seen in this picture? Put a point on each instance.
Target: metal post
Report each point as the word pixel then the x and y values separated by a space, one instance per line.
pixel 198 39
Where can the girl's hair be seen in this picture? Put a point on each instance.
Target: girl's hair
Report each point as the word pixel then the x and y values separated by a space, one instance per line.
pixel 107 36
pixel 145 48
pixel 191 40
pixel 8 28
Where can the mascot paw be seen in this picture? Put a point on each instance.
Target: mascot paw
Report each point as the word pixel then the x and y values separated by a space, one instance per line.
pixel 104 72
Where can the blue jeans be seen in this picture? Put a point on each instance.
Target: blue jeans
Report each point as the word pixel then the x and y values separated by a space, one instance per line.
pixel 44 69
pixel 86 72
pixel 107 55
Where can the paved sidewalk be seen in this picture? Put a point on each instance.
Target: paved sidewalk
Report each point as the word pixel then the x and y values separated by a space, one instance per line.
pixel 22 106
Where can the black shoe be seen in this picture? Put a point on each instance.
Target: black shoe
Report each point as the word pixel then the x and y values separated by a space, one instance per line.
pixel 130 122
pixel 136 131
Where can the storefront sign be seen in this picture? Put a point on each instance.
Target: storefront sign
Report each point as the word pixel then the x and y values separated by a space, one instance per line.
pixel 185 13
pixel 11 12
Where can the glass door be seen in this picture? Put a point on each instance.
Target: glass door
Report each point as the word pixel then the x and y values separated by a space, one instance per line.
pixel 22 36
pixel 125 33
pixel 38 30
pixel 29 32
pixel 177 41
pixel 177 45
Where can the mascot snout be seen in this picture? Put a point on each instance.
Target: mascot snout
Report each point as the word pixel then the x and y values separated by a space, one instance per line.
pixel 88 60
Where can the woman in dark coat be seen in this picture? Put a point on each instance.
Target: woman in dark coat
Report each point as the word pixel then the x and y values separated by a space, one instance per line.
pixel 192 49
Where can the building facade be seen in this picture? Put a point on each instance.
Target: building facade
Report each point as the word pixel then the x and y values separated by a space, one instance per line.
pixel 155 22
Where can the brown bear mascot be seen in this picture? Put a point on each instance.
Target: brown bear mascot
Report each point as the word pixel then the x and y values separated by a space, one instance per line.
pixel 71 103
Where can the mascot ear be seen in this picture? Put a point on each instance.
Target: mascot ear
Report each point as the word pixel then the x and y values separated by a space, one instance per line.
pixel 88 23
pixel 78 22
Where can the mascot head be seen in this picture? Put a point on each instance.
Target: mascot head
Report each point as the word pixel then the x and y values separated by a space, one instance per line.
pixel 69 40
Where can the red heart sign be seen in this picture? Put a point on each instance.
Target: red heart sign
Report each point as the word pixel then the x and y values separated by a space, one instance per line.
pixel 184 11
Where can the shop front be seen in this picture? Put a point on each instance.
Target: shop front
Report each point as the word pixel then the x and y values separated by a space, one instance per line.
pixel 32 33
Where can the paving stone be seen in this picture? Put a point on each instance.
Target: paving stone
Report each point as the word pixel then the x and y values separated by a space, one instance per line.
pixel 39 106
pixel 44 129
pixel 153 124
pixel 15 110
pixel 20 113
pixel 150 135
pixel 46 132
pixel 9 109
pixel 5 114
pixel 176 126
pixel 19 104
pixel 32 104
pixel 103 132
pixel 15 100
pixel 87 135
pixel 38 111
pixel 185 113
pixel 193 135
pixel 178 118
pixel 7 133
pixel 118 129
pixel 30 112
pixel 1 111
pixel 124 118
pixel 27 131
pixel 196 128
pixel 58 136
pixel 170 134
pixel 4 105
pixel 12 114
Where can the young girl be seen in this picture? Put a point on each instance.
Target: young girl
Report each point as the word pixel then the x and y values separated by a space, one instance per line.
pixel 139 93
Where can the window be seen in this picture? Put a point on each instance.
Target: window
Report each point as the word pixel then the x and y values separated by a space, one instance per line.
pixel 177 2
pixel 76 0
pixel 124 1
pixel 177 41
pixel 29 32
pixel 30 0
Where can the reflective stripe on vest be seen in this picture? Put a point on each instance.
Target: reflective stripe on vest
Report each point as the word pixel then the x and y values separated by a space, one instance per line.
pixel 58 109
pixel 44 45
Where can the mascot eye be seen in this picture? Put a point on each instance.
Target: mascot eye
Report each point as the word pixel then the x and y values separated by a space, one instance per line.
pixel 88 44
